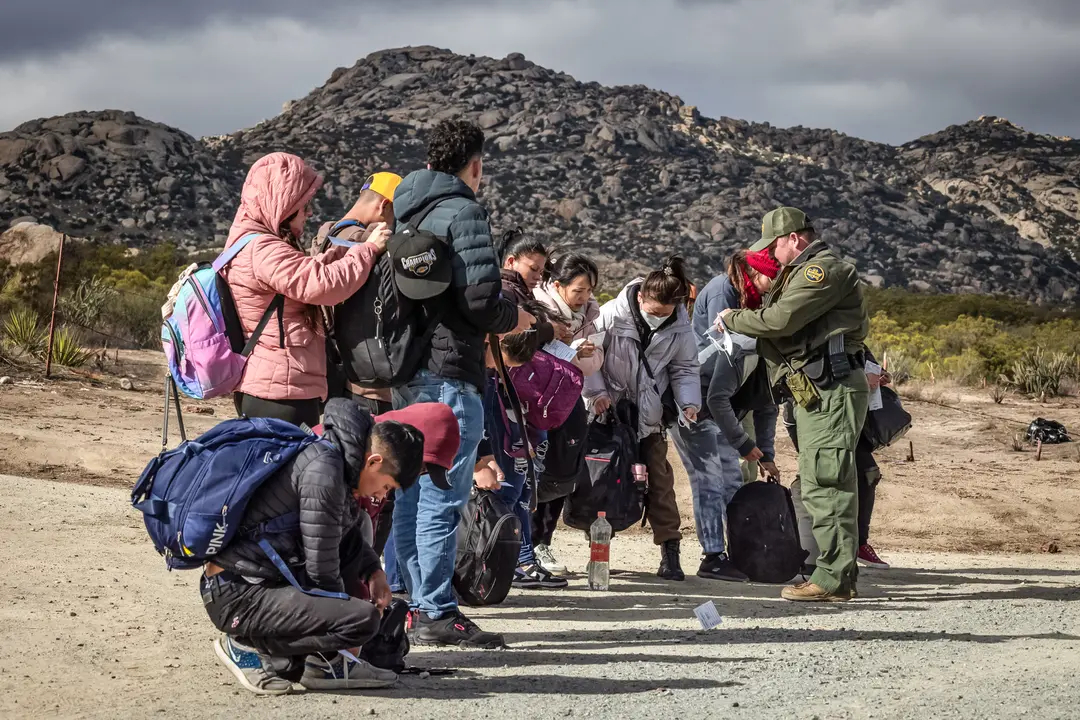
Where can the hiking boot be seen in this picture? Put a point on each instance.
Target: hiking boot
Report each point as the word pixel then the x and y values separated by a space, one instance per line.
pixel 546 559
pixel 249 668
pixel 811 592
pixel 453 629
pixel 718 566
pixel 868 558
pixel 670 569
pixel 534 577
pixel 343 673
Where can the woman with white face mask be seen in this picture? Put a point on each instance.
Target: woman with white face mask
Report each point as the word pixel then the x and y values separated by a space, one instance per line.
pixel 649 348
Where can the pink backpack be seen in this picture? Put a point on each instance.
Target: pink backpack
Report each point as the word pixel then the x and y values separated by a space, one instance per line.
pixel 548 388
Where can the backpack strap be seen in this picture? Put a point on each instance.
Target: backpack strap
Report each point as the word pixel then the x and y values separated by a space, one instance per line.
pixel 500 367
pixel 277 305
pixel 341 225
pixel 284 570
pixel 230 254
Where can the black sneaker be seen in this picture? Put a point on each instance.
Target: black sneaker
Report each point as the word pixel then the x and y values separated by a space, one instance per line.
pixel 453 629
pixel 534 577
pixel 718 566
pixel 670 569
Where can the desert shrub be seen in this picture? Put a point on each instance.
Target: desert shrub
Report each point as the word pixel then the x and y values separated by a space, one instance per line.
pixel 1040 373
pixel 998 393
pixel 24 333
pixel 67 349
pixel 84 305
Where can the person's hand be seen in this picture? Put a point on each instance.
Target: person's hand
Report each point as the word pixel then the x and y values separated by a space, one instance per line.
pixel 525 320
pixel 586 350
pixel 488 477
pixel 886 378
pixel 379 589
pixel 768 469
pixel 562 332
pixel 724 315
pixel 874 381
pixel 690 414
pixel 601 405
pixel 754 455
pixel 378 236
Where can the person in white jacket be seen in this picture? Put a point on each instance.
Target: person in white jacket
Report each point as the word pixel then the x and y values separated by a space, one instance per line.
pixel 567 291
pixel 650 349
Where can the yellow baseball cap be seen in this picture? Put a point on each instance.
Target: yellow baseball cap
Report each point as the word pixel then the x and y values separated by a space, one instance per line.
pixel 384 183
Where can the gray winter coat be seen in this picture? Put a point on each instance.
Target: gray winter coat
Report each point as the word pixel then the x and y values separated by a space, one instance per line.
pixel 672 356
pixel 730 393
pixel 474 305
pixel 313 485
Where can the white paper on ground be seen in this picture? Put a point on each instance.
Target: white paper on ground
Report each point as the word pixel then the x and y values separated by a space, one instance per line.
pixel 707 615
pixel 875 396
pixel 560 350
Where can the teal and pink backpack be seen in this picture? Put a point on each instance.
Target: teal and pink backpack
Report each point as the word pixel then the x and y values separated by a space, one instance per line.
pixel 201 334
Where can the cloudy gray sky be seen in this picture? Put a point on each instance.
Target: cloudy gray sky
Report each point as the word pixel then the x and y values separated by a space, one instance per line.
pixel 888 70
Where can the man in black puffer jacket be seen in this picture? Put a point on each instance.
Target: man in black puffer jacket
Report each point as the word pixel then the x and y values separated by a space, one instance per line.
pixel 469 304
pixel 270 626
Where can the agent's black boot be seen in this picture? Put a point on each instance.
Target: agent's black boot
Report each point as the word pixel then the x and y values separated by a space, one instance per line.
pixel 670 569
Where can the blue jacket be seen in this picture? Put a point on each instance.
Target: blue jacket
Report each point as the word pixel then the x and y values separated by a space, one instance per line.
pixel 474 305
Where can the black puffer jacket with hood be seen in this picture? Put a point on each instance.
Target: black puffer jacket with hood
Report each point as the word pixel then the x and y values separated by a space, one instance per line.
pixel 315 486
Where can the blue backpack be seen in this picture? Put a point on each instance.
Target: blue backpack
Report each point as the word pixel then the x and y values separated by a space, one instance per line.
pixel 193 498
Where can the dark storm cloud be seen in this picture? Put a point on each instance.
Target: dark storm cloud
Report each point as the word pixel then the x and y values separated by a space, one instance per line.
pixel 884 69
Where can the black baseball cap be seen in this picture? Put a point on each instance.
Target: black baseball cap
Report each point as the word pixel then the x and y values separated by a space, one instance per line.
pixel 421 263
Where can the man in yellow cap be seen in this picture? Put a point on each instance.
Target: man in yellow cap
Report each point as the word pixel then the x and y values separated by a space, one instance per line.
pixel 371 211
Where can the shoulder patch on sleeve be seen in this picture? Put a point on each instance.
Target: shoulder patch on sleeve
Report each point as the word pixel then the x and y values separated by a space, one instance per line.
pixel 814 274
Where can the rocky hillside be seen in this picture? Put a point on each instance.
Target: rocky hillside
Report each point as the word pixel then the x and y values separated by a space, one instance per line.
pixel 629 173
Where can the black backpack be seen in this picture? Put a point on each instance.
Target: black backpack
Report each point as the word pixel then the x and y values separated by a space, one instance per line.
pixel 763 534
pixel 387 650
pixel 1048 432
pixel 565 457
pixel 885 426
pixel 488 543
pixel 381 335
pixel 611 449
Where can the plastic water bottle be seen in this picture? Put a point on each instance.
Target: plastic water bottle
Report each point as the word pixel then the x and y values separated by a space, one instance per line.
pixel 600 542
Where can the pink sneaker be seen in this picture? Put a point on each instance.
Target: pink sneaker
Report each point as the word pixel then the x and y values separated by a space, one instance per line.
pixel 868 558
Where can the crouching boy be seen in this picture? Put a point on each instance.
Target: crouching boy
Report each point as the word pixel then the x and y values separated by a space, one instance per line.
pixel 275 633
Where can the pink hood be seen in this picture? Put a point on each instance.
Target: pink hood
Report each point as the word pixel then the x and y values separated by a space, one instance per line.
pixel 277 186
pixel 289 361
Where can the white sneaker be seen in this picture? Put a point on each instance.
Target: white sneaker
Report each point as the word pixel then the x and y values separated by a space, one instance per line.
pixel 248 668
pixel 546 559
pixel 344 673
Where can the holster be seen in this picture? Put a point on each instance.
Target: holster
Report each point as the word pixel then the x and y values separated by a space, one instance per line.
pixel 804 392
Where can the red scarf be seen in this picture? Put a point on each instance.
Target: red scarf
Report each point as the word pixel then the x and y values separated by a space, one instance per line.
pixel 752 298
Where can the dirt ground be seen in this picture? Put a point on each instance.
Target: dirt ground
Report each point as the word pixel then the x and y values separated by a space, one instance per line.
pixel 968 489
pixel 93 626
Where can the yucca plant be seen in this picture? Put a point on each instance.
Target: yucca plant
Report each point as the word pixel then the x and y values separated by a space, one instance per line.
pixel 68 350
pixel 1039 373
pixel 23 332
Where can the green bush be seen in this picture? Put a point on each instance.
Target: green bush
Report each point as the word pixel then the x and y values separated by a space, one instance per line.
pixel 1040 373
pixel 67 349
pixel 23 332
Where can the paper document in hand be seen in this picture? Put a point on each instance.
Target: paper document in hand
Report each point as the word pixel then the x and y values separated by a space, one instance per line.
pixel 597 339
pixel 707 615
pixel 875 394
pixel 560 350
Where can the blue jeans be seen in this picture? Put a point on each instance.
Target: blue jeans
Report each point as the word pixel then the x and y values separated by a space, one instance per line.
pixel 393 577
pixel 516 493
pixel 425 517
pixel 713 467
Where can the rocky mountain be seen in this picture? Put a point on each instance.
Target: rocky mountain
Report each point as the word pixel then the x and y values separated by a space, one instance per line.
pixel 628 174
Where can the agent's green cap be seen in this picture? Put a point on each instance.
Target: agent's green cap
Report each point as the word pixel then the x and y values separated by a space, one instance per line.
pixel 778 222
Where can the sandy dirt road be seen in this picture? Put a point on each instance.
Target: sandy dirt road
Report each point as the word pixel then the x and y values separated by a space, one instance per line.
pixel 93 626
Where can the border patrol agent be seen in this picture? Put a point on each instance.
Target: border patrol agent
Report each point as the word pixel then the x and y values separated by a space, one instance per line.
pixel 811 330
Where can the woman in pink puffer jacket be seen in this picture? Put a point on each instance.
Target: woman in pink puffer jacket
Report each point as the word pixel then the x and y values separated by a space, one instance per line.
pixel 285 375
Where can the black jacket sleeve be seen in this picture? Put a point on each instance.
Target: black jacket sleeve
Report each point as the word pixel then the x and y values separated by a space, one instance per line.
pixel 321 491
pixel 477 283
